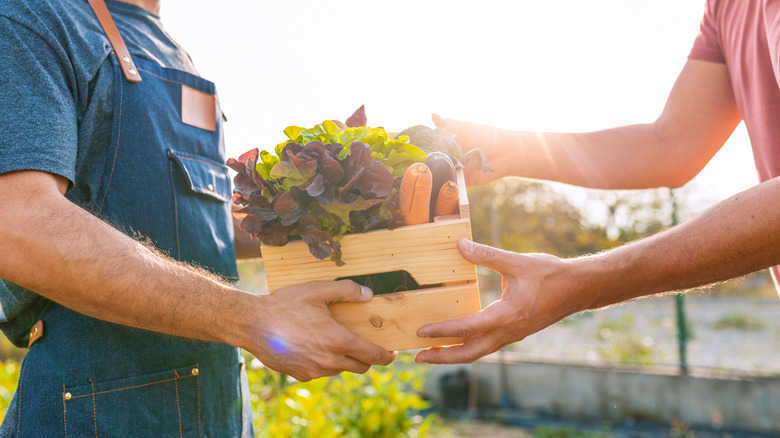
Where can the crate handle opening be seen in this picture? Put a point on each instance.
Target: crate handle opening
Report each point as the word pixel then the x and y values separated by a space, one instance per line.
pixel 388 282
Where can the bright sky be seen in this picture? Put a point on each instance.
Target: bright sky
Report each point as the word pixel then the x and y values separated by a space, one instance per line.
pixel 560 65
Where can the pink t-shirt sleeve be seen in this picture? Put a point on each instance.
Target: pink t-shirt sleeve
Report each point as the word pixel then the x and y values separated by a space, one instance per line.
pixel 706 47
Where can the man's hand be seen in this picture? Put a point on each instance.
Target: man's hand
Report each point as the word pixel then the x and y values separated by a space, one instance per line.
pixel 297 334
pixel 495 144
pixel 733 238
pixel 534 296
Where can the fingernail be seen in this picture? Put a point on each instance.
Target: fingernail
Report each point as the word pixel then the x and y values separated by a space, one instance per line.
pixel 366 292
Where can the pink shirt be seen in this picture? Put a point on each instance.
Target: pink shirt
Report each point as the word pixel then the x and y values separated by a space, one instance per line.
pixel 737 33
pixel 745 35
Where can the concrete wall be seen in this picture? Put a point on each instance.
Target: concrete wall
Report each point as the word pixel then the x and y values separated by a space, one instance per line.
pixel 618 393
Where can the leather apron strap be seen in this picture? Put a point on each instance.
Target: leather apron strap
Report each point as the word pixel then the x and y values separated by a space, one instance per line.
pixel 109 27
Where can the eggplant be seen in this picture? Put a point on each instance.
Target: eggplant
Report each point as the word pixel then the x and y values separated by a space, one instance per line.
pixel 442 170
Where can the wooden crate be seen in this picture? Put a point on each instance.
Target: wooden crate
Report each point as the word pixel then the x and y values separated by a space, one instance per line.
pixel 427 252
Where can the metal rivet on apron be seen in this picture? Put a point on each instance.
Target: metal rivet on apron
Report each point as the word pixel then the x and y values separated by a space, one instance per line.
pixel 194 371
pixel 133 71
pixel 211 187
pixel 126 58
pixel 34 331
pixel 68 396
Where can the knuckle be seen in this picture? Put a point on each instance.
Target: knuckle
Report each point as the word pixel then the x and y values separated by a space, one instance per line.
pixel 464 332
pixel 372 357
pixel 349 285
pixel 337 346
pixel 380 357
pixel 485 253
pixel 328 364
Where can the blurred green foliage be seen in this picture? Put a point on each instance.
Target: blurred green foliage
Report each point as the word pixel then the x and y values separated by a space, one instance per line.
pixel 383 403
pixel 9 375
pixel 531 216
pixel 622 343
pixel 739 321
pixel 547 431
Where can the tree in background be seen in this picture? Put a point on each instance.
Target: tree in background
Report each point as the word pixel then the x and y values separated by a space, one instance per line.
pixel 532 216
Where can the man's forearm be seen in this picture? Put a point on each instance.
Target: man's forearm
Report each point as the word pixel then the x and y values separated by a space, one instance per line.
pixel 59 250
pixel 699 116
pixel 53 247
pixel 734 238
pixel 629 157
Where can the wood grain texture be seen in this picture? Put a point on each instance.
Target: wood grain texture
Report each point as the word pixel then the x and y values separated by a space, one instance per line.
pixel 428 252
pixel 392 320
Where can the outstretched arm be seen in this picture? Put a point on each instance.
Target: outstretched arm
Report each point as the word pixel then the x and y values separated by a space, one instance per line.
pixel 735 237
pixel 699 116
pixel 53 247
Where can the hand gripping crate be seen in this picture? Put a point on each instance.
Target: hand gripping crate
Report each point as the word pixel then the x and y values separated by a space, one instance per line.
pixel 428 252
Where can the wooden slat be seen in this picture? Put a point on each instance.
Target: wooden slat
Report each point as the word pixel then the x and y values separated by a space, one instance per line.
pixel 427 252
pixel 392 320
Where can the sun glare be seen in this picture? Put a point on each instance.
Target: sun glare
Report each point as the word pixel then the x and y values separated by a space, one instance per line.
pixel 560 65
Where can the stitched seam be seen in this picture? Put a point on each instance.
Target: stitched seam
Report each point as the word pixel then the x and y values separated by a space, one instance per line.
pixel 175 210
pixel 19 407
pixel 221 169
pixel 128 387
pixel 64 412
pixel 116 152
pixel 94 411
pixel 178 406
pixel 170 80
pixel 197 396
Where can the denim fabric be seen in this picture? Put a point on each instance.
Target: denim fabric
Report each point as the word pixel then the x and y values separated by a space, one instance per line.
pixel 157 183
pixel 165 181
pixel 57 102
pixel 87 377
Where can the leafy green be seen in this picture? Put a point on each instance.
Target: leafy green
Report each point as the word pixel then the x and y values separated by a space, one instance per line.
pixel 322 183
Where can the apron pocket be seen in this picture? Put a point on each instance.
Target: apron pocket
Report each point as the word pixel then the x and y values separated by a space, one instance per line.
pixel 204 176
pixel 203 222
pixel 154 405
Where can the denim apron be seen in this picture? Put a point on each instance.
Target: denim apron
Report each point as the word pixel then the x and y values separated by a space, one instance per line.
pixel 165 181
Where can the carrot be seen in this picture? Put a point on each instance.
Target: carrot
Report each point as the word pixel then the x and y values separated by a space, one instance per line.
pixel 447 202
pixel 415 194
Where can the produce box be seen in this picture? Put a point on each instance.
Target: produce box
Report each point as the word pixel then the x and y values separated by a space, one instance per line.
pixel 428 252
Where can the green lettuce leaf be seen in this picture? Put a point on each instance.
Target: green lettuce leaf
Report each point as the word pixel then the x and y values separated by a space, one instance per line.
pixel 343 210
pixel 321 183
